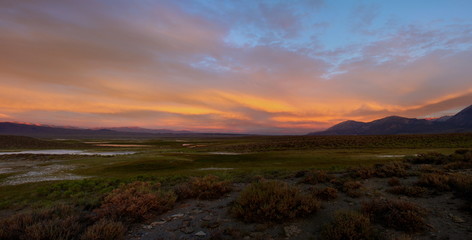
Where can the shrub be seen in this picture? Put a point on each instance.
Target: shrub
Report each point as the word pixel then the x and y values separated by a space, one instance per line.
pixel 438 181
pixel 391 169
pixel 394 182
pixel 428 168
pixel 56 228
pixel 105 230
pixel 208 187
pixel 349 226
pixel 458 165
pixel 59 222
pixel 397 214
pixel 427 158
pixel 14 226
pixel 461 184
pixel 317 176
pixel 273 201
pixel 326 194
pixel 352 188
pixel 362 172
pixel 411 191
pixel 136 201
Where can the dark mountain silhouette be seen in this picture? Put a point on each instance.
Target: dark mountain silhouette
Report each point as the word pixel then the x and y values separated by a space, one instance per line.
pixel 39 131
pixel 461 122
pixel 145 130
pixel 463 119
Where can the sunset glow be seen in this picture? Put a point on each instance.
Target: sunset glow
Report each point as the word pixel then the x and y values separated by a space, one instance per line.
pixel 269 67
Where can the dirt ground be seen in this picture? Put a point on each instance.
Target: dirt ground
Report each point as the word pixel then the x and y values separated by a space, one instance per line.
pixel 197 219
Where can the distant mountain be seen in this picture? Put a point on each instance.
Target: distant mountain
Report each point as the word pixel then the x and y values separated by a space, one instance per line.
pixel 21 142
pixel 461 122
pixel 145 130
pixel 463 119
pixel 39 131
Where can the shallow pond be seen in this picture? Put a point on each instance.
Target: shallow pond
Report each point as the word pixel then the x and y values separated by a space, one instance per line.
pixel 68 152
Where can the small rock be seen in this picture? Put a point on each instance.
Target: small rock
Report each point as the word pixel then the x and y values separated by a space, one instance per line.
pixel 187 230
pixel 200 234
pixel 178 215
pixel 292 230
pixel 207 218
pixel 197 211
pixel 213 225
pixel 157 223
pixel 147 227
pixel 457 219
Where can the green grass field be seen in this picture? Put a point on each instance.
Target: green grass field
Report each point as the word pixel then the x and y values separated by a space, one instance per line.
pixel 172 160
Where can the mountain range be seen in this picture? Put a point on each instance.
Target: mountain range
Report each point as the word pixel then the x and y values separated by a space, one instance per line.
pixel 43 131
pixel 461 122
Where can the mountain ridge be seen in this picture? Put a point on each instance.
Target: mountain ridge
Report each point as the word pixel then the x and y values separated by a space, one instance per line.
pixel 392 125
pixel 44 131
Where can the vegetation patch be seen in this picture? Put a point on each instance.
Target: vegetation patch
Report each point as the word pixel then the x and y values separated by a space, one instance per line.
pixel 437 181
pixel 317 176
pixel 105 230
pixel 394 182
pixel 276 201
pixel 391 169
pixel 326 194
pixel 208 187
pixel 352 188
pixel 349 225
pixel 411 191
pixel 57 223
pixel 136 201
pixel 396 214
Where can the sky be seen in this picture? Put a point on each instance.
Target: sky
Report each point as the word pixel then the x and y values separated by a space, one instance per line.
pixel 246 66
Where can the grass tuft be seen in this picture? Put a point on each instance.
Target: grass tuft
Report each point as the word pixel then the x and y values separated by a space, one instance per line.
pixel 273 201
pixel 326 194
pixel 349 226
pixel 411 191
pixel 396 214
pixel 208 187
pixel 136 201
pixel 105 230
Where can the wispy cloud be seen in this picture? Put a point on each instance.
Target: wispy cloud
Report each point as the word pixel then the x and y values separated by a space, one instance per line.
pixel 245 66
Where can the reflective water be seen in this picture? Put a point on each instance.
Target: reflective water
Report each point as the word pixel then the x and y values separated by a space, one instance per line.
pixel 68 152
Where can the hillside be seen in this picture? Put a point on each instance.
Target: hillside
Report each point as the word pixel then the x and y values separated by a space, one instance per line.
pixel 461 122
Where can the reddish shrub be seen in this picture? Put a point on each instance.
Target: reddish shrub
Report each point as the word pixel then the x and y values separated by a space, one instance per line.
pixel 326 194
pixel 59 222
pixel 394 182
pixel 349 226
pixel 208 187
pixel 438 181
pixel 411 191
pixel 400 215
pixel 273 201
pixel 352 188
pixel 105 230
pixel 136 201
pixel 317 176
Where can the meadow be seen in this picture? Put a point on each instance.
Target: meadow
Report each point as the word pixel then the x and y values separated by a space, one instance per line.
pixel 85 181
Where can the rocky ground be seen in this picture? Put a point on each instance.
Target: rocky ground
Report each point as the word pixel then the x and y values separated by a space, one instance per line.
pixel 204 219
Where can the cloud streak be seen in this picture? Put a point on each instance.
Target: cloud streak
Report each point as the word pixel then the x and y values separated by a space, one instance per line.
pixel 246 66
